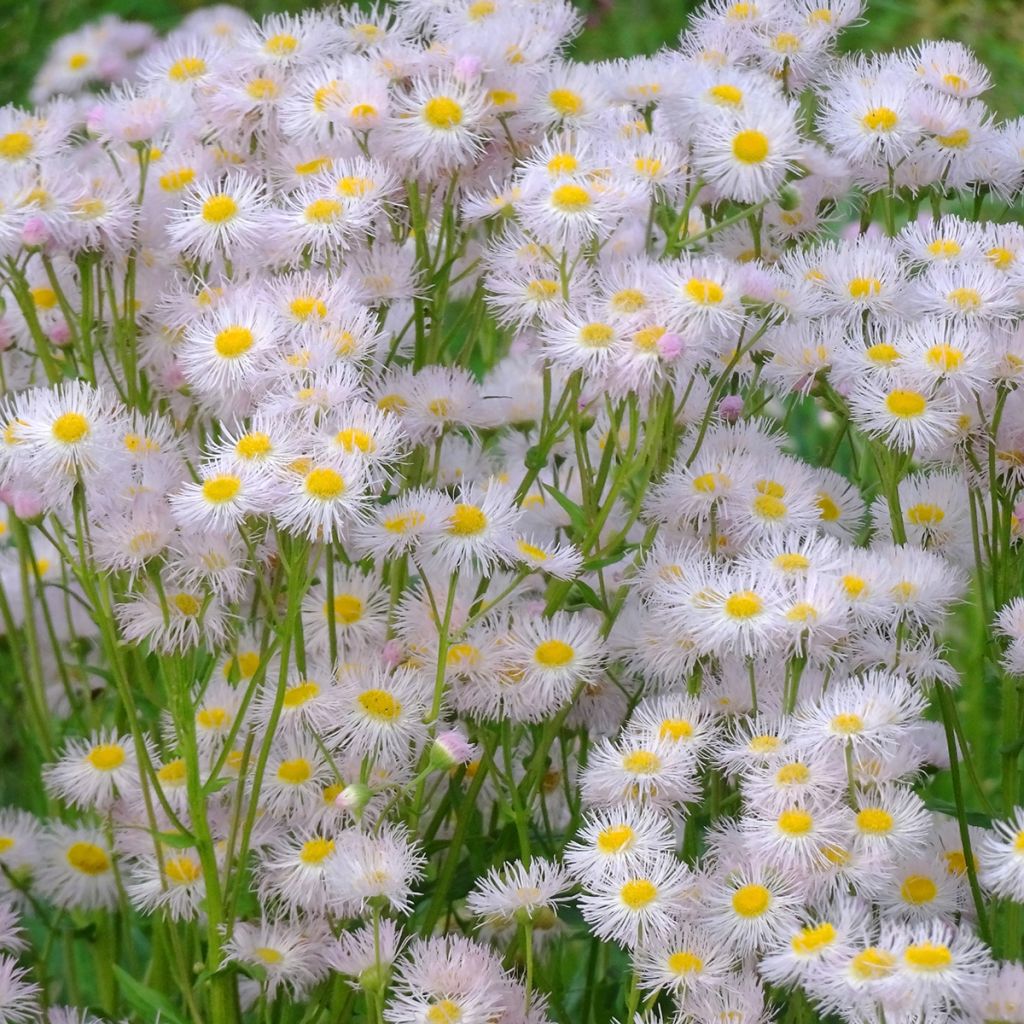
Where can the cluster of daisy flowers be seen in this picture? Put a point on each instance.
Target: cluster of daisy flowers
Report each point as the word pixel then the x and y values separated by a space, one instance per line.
pixel 481 530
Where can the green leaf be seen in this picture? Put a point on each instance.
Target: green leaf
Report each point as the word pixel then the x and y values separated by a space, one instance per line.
pixel 572 510
pixel 152 1006
pixel 178 840
pixel 217 784
pixel 975 818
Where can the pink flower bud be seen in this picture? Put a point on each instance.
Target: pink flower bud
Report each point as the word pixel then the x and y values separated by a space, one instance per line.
pixel 95 119
pixel 27 505
pixel 451 749
pixel 60 333
pixel 468 67
pixel 35 233
pixel 172 377
pixel 392 653
pixel 730 408
pixel 670 345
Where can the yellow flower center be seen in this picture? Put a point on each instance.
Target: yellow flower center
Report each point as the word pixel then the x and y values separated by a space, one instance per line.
pixel 726 95
pixel 187 68
pixel 300 693
pixel 467 521
pixel 704 291
pixel 348 609
pixel 864 287
pixel 880 119
pixel 70 428
pixel 295 772
pixel 905 404
pixel 642 762
pixel 380 705
pixel 553 654
pixel 316 851
pixel 750 146
pixel 188 605
pixel 614 839
pixel 637 893
pixel 918 889
pixel 324 483
pixel 268 956
pixel 213 718
pixel 323 211
pixel 792 562
pixel 219 209
pixel 764 744
pixel 828 510
pixel 529 550
pixel 675 729
pixel 88 858
pixel 442 113
pixel 751 900
pixel 795 823
pixel 353 439
pixel 925 514
pixel 15 145
pixel 570 198
pixel 173 773
pixel 872 964
pixel 812 939
pixel 847 724
pixel 1000 257
pixel 928 957
pixel 444 1012
pixel 566 102
pixel 177 179
pixel 882 354
pixel 182 870
pixel 253 446
pixel 965 299
pixel 744 604
pixel 875 821
pixel 796 773
pixel 959 139
pixel 281 45
pixel 685 962
pixel 106 756
pixel 219 490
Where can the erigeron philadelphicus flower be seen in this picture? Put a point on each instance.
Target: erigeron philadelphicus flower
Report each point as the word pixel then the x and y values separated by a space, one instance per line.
pixel 637 905
pixel 290 954
pixel 823 938
pixel 320 499
pixel 583 339
pixel 20 838
pixel 919 889
pixel 869 118
pixel 380 866
pixel 686 961
pixel 569 212
pixel 402 524
pixel 904 413
pixel 890 821
pixel 358 605
pixel 294 868
pixel 793 776
pixel 793 837
pixel 225 217
pixel 449 977
pixel 562 561
pixel 1001 857
pixel 951 68
pixel 174 621
pixel 938 965
pixel 745 153
pixel 380 713
pixel 76 868
pixel 438 124
pixel 969 294
pixel 92 773
pixel 315 222
pixel 286 40
pixel 307 704
pixel 555 654
pixel 618 840
pixel 19 995
pixel 949 239
pixel 570 96
pixel 297 772
pixel 871 712
pixel 678 718
pixel 222 498
pixel 361 954
pixel 866 276
pixel 64 431
pixel 173 882
pixel 660 773
pixel 748 908
pixel 477 528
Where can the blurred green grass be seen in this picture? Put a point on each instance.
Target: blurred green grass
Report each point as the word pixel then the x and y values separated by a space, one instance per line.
pixel 615 28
